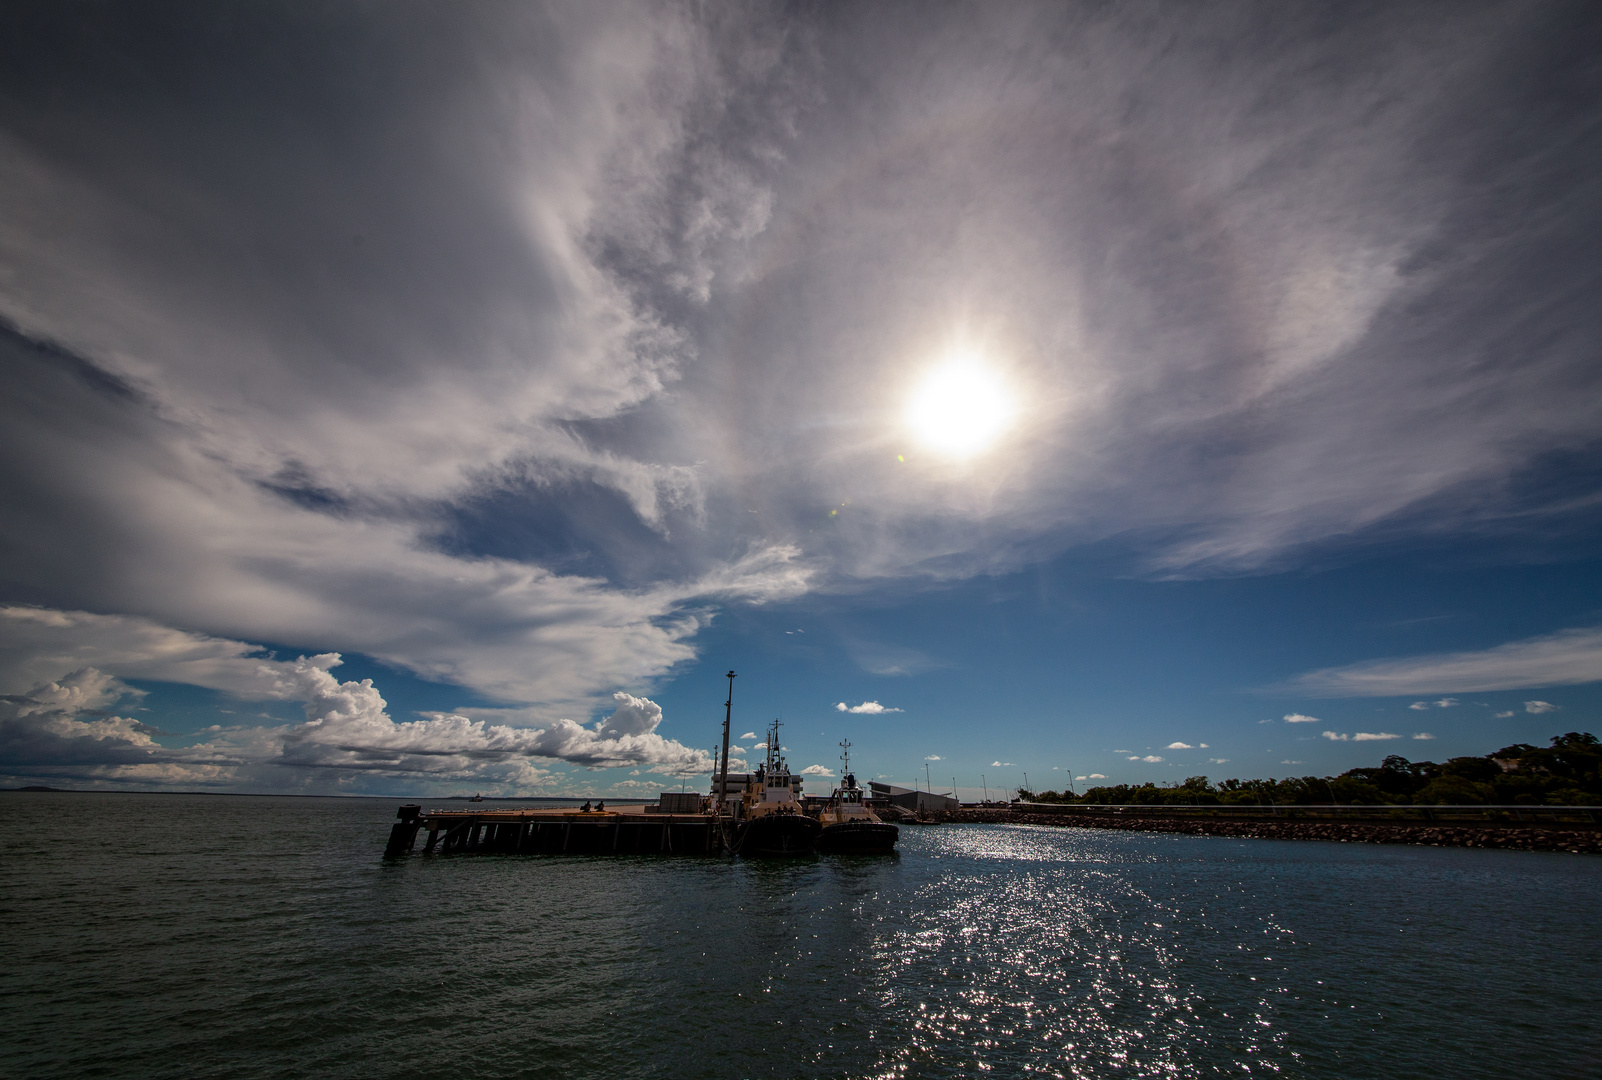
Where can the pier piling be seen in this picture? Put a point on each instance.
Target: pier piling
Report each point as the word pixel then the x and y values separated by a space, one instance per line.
pixel 404 833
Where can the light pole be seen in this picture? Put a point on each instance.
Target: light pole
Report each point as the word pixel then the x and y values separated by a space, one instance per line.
pixel 986 787
pixel 723 772
pixel 1026 783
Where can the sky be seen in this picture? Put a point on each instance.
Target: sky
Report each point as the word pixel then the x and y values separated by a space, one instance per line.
pixel 416 399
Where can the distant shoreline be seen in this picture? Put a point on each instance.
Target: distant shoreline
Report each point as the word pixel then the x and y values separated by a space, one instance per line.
pixel 1575 839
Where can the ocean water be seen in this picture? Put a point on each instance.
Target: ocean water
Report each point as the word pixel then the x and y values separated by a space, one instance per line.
pixel 207 936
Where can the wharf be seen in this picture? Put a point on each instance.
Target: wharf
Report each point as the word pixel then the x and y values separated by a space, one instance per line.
pixel 620 830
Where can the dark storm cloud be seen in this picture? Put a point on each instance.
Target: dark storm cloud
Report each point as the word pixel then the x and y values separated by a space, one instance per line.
pixel 499 341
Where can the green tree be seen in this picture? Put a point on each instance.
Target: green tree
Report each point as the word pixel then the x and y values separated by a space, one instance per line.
pixel 1480 769
pixel 1453 791
pixel 1356 792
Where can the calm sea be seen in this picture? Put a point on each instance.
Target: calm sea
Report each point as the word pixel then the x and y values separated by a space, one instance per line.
pixel 206 936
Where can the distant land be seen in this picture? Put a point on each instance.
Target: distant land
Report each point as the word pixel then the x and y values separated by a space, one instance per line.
pixel 1566 773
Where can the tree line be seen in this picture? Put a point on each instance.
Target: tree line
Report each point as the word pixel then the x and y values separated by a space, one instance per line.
pixel 1566 773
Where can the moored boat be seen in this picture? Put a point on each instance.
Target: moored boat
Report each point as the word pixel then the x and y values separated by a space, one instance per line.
pixel 777 834
pixel 850 827
pixel 771 821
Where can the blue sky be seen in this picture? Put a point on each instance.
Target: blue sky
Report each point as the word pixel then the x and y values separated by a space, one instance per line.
pixel 443 402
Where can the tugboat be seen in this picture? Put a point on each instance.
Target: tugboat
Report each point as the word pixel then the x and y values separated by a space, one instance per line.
pixel 773 823
pixel 849 827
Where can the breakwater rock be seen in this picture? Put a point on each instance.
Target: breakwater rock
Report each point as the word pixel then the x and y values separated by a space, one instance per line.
pixel 1577 839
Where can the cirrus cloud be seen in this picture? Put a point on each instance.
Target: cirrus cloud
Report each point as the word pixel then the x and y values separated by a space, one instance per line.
pixel 1566 658
pixel 521 415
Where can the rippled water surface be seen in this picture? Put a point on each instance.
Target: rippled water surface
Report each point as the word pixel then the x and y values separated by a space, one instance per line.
pixel 165 935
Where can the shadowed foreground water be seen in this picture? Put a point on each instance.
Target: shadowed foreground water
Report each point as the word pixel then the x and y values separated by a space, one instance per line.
pixel 166 935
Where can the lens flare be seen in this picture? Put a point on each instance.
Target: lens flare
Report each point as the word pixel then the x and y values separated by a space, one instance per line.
pixel 960 408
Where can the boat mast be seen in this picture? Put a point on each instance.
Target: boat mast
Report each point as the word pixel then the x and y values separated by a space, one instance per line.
pixel 845 758
pixel 723 772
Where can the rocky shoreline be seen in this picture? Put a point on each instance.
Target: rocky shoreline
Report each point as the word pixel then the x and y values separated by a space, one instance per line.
pixel 1576 839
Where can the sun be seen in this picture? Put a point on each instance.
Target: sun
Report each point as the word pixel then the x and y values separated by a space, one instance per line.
pixel 960 408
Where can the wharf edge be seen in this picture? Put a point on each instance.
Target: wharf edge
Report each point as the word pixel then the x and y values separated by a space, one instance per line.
pixel 625 830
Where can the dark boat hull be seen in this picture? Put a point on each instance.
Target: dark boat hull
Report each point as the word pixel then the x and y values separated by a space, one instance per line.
pixel 859 838
pixel 775 835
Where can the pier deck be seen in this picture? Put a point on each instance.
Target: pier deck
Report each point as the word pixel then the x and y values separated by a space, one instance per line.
pixel 616 830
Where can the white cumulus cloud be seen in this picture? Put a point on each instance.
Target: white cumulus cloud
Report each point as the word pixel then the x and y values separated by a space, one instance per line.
pixel 348 727
pixel 872 708
pixel 1301 718
pixel 347 731
pixel 1538 707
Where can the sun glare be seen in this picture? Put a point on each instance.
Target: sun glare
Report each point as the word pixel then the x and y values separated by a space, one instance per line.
pixel 960 408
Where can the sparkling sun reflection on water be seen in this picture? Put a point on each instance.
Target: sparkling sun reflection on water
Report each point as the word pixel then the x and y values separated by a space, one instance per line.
pixel 1056 963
